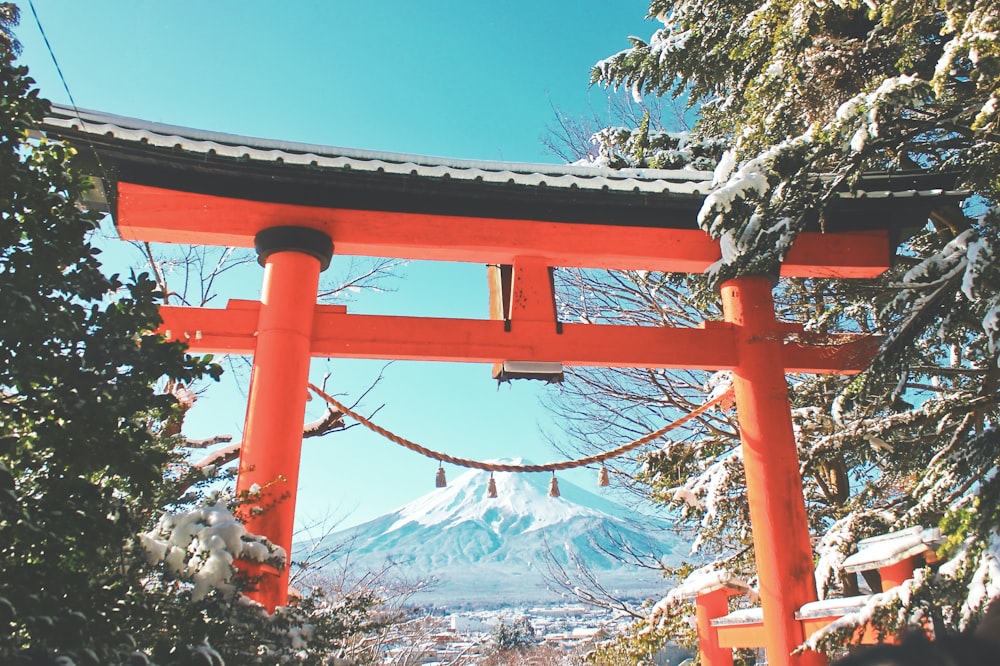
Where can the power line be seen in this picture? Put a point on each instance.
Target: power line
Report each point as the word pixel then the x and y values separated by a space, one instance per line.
pixel 52 54
pixel 76 109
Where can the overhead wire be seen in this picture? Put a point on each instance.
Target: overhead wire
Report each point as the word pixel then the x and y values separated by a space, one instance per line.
pixel 55 61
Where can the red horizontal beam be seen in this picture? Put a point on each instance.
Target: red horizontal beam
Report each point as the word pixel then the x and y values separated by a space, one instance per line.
pixel 751 634
pixel 866 634
pixel 337 334
pixel 163 215
pixel 746 635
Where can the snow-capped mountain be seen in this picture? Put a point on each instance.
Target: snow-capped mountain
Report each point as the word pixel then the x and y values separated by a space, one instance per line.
pixel 481 549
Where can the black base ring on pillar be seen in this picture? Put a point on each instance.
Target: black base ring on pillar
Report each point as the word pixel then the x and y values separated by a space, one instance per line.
pixel 313 242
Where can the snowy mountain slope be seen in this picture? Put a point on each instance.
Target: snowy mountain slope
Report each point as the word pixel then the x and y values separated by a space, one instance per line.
pixel 482 548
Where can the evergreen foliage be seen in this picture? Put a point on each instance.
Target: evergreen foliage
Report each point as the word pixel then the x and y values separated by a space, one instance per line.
pixel 641 645
pixel 9 17
pixel 82 464
pixel 89 452
pixel 808 96
pixel 518 635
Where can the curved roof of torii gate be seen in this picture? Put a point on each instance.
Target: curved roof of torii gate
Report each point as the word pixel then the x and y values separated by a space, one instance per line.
pixel 306 184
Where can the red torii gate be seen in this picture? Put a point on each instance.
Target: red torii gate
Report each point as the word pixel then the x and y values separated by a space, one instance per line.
pixel 183 186
pixel 287 327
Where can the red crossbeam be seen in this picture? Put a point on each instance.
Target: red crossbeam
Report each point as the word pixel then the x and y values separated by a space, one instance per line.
pixel 752 635
pixel 337 334
pixel 155 214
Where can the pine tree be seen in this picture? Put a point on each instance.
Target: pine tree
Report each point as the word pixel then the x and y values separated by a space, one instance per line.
pixel 798 89
pixel 518 635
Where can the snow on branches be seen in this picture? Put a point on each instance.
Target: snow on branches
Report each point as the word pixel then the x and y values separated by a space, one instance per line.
pixel 890 609
pixel 983 560
pixel 809 96
pixel 968 266
pixel 839 541
pixel 763 236
pixel 860 116
pixel 201 545
pixel 643 147
pixel 916 603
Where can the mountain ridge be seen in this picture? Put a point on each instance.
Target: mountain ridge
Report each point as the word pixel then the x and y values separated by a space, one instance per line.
pixel 481 549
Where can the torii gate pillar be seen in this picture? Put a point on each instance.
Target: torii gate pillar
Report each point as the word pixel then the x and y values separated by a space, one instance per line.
pixel 293 258
pixel 771 464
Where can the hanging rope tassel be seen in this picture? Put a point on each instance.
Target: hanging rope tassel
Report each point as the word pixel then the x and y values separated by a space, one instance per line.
pixel 441 481
pixel 491 489
pixel 602 477
pixel 554 486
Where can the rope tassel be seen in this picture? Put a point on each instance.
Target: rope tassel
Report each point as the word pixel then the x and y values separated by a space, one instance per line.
pixel 491 489
pixel 554 486
pixel 602 477
pixel 441 481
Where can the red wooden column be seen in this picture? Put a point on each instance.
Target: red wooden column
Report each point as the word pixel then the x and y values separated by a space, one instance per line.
pixel 774 485
pixel 708 607
pixel 293 258
pixel 894 575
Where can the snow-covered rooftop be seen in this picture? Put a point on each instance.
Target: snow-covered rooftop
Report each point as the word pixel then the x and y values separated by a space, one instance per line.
pixel 888 549
pixel 742 616
pixel 832 607
pixel 704 581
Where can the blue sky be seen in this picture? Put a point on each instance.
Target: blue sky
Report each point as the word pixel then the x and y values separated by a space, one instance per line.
pixel 452 77
pixel 448 78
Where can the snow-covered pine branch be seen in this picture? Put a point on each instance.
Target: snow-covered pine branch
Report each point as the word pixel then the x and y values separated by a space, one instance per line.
pixel 200 546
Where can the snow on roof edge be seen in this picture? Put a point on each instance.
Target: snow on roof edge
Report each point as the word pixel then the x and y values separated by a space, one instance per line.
pixel 684 182
pixel 99 122
pixel 888 549
pixel 832 607
pixel 704 581
pixel 741 616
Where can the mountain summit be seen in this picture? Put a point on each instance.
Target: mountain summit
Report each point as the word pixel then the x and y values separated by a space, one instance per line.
pixel 492 550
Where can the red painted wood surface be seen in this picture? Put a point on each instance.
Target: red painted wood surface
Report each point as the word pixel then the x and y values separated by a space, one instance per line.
pixel 746 635
pixel 154 214
pixel 893 575
pixel 708 607
pixel 864 635
pixel 770 460
pixel 532 295
pixel 272 438
pixel 337 334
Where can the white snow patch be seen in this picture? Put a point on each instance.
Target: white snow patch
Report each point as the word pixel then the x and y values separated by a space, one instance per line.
pixel 705 580
pixel 864 614
pixel 835 606
pixel 742 616
pixel 888 549
pixel 719 384
pixel 637 93
pixel 201 545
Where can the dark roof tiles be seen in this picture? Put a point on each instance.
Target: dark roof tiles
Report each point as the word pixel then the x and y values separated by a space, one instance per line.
pixel 123 129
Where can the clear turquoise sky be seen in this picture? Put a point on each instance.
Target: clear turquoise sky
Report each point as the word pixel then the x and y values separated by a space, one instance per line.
pixel 456 78
pixel 448 78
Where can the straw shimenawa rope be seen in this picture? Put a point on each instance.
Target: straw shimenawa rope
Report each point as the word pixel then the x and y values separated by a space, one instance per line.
pixel 500 467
